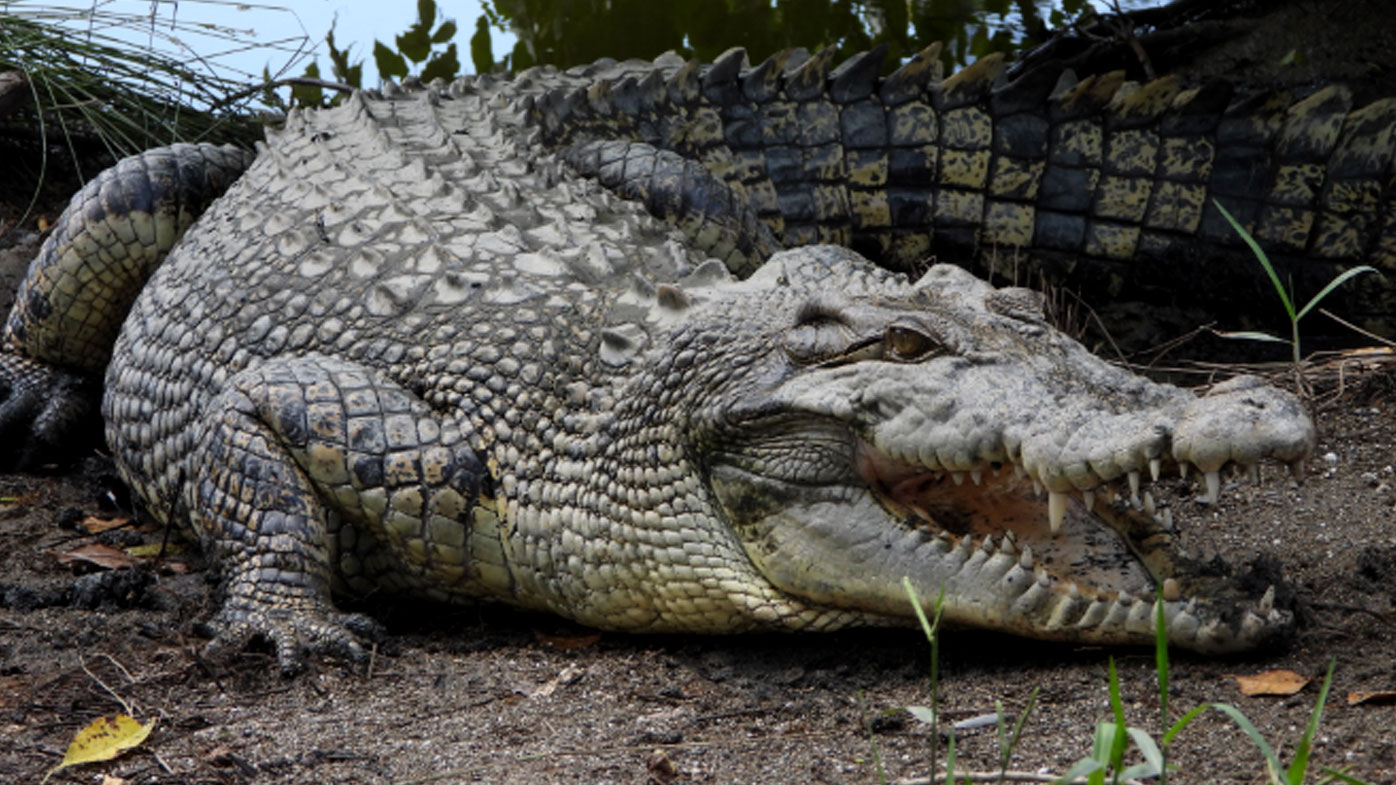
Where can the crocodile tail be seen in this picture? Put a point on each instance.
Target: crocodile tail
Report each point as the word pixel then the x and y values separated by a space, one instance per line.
pixel 1105 184
pixel 108 241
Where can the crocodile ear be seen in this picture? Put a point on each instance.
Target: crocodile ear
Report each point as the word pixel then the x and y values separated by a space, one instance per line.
pixel 1017 302
pixel 948 280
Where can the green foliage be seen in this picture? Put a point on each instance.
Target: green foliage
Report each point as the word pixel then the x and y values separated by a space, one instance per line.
pixel 931 629
pixel 1286 295
pixel 418 52
pixel 85 80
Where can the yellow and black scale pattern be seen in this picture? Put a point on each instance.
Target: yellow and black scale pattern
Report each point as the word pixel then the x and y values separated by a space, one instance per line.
pixel 1104 183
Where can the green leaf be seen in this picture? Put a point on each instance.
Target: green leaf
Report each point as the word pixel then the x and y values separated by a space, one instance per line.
pixel 309 95
pixel 390 64
pixel 1335 283
pixel 444 33
pixel 445 66
pixel 415 44
pixel 426 13
pixel 481 48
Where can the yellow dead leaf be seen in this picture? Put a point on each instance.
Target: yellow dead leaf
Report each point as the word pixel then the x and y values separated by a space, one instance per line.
pixel 1280 682
pixel 104 739
pixel 151 550
pixel 1378 696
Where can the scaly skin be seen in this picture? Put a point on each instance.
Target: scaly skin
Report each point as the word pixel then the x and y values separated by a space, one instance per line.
pixel 412 351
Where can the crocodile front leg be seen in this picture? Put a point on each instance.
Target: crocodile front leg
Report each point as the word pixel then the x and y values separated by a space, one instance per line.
pixel 313 473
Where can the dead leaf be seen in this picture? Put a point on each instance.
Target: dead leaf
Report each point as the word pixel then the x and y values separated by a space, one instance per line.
pixel 108 779
pixel 104 739
pixel 1277 682
pixel 661 769
pixel 1376 696
pixel 567 642
pixel 104 556
pixel 94 525
pixel 569 675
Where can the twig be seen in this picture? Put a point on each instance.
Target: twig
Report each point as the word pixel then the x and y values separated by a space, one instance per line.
pixel 124 705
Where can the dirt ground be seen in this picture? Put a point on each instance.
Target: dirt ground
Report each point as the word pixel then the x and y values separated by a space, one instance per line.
pixel 492 695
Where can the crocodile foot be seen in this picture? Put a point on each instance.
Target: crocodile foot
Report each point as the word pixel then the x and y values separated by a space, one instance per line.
pixel 295 633
pixel 42 409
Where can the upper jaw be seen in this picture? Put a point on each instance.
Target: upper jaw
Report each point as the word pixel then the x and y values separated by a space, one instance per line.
pixel 922 449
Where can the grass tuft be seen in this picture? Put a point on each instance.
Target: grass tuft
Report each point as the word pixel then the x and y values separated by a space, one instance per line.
pixel 1285 294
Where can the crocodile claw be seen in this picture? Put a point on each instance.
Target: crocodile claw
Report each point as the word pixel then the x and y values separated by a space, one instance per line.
pixel 294 633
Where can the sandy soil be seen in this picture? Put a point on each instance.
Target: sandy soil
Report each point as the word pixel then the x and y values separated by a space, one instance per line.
pixel 491 695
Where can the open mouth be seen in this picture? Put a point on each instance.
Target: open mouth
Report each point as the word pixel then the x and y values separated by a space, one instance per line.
pixel 1082 560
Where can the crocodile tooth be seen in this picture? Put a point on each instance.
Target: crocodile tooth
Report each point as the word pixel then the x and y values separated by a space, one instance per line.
pixel 1213 479
pixel 1183 469
pixel 1088 497
pixel 1149 503
pixel 1125 599
pixel 1171 590
pixel 1267 602
pixel 987 545
pixel 1007 546
pixel 1056 509
pixel 1155 466
pixel 1253 472
pixel 1072 590
pixel 1036 487
pixel 976 476
pixel 1018 471
pixel 1134 488
pixel 1025 559
pixel 995 469
pixel 958 477
pixel 1166 519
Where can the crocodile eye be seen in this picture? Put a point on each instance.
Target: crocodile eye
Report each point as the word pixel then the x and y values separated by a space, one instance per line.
pixel 906 343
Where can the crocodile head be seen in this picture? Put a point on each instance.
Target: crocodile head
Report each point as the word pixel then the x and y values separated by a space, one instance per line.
pixel 941 430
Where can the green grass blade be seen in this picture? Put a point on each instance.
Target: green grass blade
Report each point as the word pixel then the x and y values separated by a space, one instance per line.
pixel 1086 767
pixel 1182 722
pixel 1334 284
pixel 1117 744
pixel 1272 762
pixel 1342 776
pixel 1161 669
pixel 1262 258
pixel 1153 756
pixel 1295 773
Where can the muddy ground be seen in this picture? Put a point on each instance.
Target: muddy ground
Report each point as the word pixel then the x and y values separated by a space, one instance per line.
pixel 492 695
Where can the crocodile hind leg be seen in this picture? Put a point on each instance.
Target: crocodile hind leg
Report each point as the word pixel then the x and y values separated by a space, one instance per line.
pixel 107 242
pixel 313 473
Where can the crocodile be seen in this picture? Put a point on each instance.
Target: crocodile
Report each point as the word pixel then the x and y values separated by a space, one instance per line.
pixel 420 345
